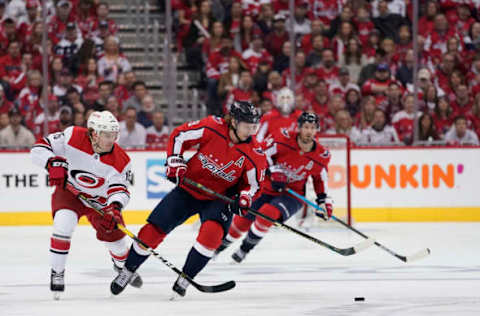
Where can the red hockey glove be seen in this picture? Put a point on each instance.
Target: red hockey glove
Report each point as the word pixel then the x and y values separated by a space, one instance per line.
pixel 57 171
pixel 111 216
pixel 326 203
pixel 176 168
pixel 278 178
pixel 240 204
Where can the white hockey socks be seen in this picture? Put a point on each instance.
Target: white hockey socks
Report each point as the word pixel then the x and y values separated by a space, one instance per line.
pixel 64 224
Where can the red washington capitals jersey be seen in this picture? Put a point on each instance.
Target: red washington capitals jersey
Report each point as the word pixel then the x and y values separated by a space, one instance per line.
pixel 284 151
pixel 273 123
pixel 218 164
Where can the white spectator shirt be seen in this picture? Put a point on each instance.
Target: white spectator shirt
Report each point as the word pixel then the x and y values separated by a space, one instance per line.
pixel 354 134
pixel 470 138
pixel 110 69
pixel 60 91
pixel 394 6
pixel 387 136
pixel 135 138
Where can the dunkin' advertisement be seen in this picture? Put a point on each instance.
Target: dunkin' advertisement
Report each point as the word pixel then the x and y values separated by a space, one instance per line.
pixel 401 179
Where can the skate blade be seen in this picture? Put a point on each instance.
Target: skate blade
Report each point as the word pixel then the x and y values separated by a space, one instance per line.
pixel 56 296
pixel 175 297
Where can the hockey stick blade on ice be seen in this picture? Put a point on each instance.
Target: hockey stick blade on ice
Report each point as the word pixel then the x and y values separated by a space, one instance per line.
pixel 416 256
pixel 202 288
pixel 342 251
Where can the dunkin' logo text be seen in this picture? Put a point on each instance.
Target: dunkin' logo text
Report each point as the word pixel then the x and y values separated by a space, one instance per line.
pixel 395 176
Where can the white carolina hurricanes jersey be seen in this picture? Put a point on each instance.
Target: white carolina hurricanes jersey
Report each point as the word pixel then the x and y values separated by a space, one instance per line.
pixel 104 178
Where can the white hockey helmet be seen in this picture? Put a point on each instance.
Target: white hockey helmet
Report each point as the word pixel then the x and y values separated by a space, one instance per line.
pixel 285 100
pixel 103 121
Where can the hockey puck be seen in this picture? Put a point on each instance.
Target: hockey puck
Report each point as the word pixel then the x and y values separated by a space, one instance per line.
pixel 359 299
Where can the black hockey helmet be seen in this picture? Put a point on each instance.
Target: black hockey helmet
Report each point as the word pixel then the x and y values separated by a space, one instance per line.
pixel 308 117
pixel 244 111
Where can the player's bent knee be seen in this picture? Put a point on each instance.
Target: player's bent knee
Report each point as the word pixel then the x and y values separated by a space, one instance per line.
pixel 210 235
pixel 64 222
pixel 242 223
pixel 151 235
pixel 270 211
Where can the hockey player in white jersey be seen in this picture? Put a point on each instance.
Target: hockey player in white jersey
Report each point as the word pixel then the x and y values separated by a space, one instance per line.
pixel 90 161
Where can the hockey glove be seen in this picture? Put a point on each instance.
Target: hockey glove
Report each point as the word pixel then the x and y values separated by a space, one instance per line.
pixel 111 216
pixel 278 178
pixel 326 203
pixel 176 168
pixel 57 171
pixel 240 204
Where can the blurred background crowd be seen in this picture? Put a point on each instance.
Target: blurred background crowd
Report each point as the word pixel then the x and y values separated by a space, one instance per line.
pixel 353 63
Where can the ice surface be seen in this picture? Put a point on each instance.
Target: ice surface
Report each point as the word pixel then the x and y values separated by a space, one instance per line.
pixel 284 275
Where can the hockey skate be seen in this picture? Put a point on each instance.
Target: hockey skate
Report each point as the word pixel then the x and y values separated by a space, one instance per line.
pixel 57 283
pixel 224 245
pixel 179 288
pixel 239 255
pixel 120 282
pixel 135 281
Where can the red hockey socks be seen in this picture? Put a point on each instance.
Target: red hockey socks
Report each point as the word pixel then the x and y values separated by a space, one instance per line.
pixel 208 240
pixel 240 225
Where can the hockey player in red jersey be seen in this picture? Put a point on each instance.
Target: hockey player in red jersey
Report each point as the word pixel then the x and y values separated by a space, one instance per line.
pixel 95 166
pixel 229 161
pixel 292 158
pixel 281 118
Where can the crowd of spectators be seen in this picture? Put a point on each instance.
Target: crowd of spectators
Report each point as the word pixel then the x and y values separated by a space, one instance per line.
pixel 87 72
pixel 353 58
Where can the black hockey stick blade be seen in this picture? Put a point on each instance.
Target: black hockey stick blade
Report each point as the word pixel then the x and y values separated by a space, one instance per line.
pixel 342 251
pixel 202 288
pixel 416 256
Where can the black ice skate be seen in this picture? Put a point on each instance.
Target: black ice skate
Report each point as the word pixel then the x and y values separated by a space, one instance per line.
pixel 135 281
pixel 120 282
pixel 57 283
pixel 179 288
pixel 239 255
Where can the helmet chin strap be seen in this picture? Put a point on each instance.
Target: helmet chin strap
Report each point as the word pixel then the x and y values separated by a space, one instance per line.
pixel 236 135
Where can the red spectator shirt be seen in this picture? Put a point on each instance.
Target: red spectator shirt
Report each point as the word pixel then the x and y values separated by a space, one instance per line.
pixel 325 10
pixel 5 106
pixel 306 43
pixel 363 31
pixel 56 28
pixel 442 124
pixel 157 139
pixel 218 63
pixel 461 109
pixel 237 94
pixel 12 68
pixel 329 75
pixel 274 42
pixel 403 124
pixel 53 124
pixel 367 86
pixel 252 58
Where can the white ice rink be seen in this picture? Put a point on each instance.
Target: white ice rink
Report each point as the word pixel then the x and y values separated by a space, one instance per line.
pixel 284 275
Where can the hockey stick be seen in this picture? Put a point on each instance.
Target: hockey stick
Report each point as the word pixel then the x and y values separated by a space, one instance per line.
pixel 342 251
pixel 202 288
pixel 416 256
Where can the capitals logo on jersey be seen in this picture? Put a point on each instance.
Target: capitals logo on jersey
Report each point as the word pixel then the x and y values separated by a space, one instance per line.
pixel 219 171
